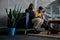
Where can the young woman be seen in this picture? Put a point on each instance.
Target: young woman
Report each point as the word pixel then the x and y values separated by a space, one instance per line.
pixel 38 21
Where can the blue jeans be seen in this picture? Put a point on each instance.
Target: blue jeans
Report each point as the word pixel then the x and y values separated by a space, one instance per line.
pixel 45 25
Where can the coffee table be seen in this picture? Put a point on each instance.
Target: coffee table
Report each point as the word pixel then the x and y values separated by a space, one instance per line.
pixel 54 22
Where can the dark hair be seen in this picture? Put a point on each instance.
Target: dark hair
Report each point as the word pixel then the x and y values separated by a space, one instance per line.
pixel 31 4
pixel 40 8
pixel 43 11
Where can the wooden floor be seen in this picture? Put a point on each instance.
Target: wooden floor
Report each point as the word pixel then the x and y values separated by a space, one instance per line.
pixel 46 35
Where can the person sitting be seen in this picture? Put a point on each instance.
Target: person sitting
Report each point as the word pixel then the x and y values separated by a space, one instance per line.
pixel 29 15
pixel 37 21
pixel 45 24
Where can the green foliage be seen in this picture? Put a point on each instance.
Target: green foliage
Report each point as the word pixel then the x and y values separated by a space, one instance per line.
pixel 14 16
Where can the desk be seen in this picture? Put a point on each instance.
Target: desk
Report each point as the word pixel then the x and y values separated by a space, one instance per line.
pixel 55 22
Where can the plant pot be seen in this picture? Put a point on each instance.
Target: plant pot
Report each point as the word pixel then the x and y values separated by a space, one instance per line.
pixel 12 31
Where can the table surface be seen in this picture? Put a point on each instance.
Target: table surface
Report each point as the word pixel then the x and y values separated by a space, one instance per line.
pixel 54 21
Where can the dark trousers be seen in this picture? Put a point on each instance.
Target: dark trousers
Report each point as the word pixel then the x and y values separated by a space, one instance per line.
pixel 45 25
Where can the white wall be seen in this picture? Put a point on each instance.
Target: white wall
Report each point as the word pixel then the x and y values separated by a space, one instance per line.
pixel 3 5
pixel 19 3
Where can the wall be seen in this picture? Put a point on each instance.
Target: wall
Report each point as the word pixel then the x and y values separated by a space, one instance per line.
pixel 3 15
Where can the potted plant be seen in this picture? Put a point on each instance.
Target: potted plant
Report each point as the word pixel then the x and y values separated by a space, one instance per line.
pixel 14 17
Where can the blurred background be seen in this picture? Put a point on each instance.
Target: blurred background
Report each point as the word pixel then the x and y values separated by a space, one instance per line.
pixel 52 8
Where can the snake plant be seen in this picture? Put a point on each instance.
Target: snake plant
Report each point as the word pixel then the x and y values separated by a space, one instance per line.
pixel 14 17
